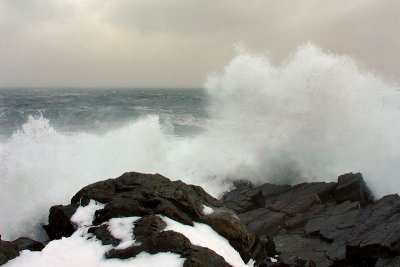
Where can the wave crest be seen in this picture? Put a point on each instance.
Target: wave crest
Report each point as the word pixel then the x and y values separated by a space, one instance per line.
pixel 315 115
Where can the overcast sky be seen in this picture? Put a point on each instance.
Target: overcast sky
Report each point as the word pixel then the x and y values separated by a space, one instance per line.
pixel 171 43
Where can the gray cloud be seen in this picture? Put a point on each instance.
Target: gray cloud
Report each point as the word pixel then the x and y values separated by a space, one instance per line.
pixel 170 43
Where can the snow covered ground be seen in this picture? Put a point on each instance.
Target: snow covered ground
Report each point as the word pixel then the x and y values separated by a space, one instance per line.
pixel 83 249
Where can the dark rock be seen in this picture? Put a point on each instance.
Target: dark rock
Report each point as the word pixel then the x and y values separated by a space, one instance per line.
pixel 232 229
pixel 274 264
pixel 125 253
pixel 8 251
pixel 388 262
pixel 168 241
pixel 102 233
pixel 285 208
pixel 299 198
pixel 243 199
pixel 295 246
pixel 60 224
pixel 153 241
pixel 263 221
pixel 353 188
pixel 308 224
pixel 136 194
pixel 26 243
pixel 262 248
pixel 330 220
pixel 147 227
pixel 323 224
pixel 241 184
pixel 376 231
pixel 205 258
pixel 286 199
pixel 148 196
pixel 269 245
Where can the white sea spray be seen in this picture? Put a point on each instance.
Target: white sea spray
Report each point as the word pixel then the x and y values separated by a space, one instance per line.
pixel 315 116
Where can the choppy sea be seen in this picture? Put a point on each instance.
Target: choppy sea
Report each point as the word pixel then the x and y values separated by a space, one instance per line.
pixel 313 117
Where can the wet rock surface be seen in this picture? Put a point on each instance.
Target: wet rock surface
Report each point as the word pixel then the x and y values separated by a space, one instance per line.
pixel 8 251
pixel 323 224
pixel 148 231
pixel 309 224
pixel 11 249
pixel 136 194
pixel 26 243
pixel 60 224
pixel 150 196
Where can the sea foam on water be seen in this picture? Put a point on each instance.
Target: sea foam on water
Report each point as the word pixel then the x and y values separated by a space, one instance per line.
pixel 314 116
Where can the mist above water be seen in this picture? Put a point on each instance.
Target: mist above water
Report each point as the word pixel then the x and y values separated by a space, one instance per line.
pixel 313 117
pixel 316 115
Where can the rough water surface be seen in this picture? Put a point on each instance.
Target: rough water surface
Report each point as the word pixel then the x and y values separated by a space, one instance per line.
pixel 314 116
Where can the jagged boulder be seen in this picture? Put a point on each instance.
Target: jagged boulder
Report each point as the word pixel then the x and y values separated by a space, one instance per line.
pixel 237 234
pixel 148 231
pixel 352 187
pixel 308 224
pixel 323 224
pixel 102 233
pixel 281 205
pixel 60 224
pixel 136 194
pixel 149 196
pixel 26 243
pixel 8 251
pixel 11 249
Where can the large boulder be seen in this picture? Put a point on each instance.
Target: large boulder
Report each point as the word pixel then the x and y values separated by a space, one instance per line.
pixel 308 224
pixel 60 224
pixel 352 187
pixel 136 194
pixel 150 196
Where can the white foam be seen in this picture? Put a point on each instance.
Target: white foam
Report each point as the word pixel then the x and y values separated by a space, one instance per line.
pixel 82 249
pixel 203 235
pixel 122 229
pixel 78 251
pixel 207 210
pixel 273 259
pixel 84 216
pixel 317 115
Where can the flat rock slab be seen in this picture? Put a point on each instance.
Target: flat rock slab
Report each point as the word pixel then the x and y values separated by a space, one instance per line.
pixel 263 221
pixel 324 224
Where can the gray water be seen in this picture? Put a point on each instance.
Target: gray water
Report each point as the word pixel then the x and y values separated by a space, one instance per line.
pixel 312 118
pixel 98 110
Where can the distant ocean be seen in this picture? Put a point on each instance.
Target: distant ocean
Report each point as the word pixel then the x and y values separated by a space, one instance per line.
pixel 99 110
pixel 313 117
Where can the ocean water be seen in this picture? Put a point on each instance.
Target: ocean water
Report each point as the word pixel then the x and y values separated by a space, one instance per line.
pixel 313 117
pixel 98 110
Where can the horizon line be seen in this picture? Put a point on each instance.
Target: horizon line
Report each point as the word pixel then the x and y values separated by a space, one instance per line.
pixel 98 88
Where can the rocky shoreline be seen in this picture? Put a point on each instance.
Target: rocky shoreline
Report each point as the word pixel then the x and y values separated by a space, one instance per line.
pixel 308 224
